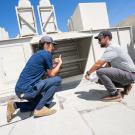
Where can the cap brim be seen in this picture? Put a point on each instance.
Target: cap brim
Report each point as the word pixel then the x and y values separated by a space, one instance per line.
pixel 96 37
pixel 54 43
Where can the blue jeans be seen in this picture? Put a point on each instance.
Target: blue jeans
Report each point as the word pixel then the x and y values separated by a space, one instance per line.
pixel 41 95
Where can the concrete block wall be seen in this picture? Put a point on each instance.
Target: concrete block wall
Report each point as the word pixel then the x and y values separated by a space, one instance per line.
pixel 89 16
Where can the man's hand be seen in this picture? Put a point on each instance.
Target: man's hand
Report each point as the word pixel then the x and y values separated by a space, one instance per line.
pixel 56 68
pixel 86 77
pixel 60 59
pixel 56 60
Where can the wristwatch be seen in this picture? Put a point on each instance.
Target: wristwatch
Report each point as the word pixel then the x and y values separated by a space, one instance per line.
pixel 87 73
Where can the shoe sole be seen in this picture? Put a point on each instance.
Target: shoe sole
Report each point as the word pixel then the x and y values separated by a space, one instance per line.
pixel 128 90
pixel 9 113
pixel 53 112
pixel 121 92
pixel 112 100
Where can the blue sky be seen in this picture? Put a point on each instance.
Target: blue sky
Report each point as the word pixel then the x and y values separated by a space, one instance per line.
pixel 118 10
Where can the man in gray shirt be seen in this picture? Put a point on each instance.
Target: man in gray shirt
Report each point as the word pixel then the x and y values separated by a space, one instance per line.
pixel 121 70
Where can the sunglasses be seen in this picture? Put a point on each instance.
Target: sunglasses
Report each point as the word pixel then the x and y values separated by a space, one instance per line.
pixel 99 39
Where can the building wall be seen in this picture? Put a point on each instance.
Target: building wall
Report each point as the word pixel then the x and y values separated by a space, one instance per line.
pixel 75 22
pixel 89 16
pixel 13 57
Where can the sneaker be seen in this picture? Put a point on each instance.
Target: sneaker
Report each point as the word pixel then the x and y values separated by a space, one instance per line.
pixel 121 92
pixel 44 112
pixel 127 89
pixel 10 110
pixel 111 98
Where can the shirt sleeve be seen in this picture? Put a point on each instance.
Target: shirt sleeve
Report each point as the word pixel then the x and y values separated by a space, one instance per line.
pixel 47 61
pixel 109 55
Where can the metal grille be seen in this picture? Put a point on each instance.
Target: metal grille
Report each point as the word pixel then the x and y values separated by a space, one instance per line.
pixel 72 63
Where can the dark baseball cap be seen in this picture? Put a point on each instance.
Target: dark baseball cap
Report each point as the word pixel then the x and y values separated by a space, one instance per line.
pixel 104 34
pixel 47 39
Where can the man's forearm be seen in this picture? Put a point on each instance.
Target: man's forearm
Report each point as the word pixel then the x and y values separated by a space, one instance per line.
pixel 96 66
pixel 55 70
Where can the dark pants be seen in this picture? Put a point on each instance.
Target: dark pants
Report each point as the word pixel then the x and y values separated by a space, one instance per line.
pixel 41 95
pixel 113 77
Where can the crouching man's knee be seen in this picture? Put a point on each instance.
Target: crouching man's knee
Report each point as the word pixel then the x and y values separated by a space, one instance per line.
pixel 100 72
pixel 57 80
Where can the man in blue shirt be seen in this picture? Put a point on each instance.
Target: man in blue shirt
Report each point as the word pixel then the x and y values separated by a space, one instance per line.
pixel 30 85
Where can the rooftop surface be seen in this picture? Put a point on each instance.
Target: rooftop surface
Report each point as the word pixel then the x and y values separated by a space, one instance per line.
pixel 79 112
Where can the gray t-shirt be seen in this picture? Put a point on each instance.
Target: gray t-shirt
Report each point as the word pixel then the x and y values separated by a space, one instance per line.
pixel 118 58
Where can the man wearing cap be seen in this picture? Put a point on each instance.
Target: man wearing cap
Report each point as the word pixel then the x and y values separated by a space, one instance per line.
pixel 31 86
pixel 120 74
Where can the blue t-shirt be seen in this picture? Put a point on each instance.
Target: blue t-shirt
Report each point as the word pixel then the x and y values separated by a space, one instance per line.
pixel 34 70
